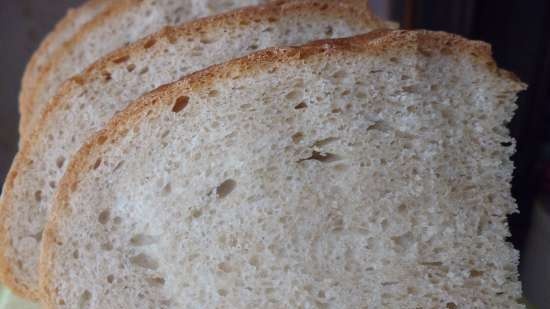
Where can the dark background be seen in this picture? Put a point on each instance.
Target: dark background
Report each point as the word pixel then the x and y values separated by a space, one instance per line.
pixel 519 32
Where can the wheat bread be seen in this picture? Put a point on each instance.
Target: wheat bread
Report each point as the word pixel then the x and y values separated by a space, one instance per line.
pixel 122 23
pixel 369 172
pixel 63 31
pixel 86 102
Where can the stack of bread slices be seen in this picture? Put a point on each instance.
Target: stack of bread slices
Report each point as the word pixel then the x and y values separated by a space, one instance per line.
pixel 259 154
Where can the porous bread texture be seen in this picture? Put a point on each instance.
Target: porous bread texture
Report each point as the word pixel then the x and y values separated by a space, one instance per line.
pixel 123 23
pixel 370 172
pixel 86 103
pixel 62 32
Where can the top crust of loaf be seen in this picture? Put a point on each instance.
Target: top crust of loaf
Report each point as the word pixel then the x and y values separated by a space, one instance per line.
pixel 111 13
pixel 376 43
pixel 49 45
pixel 75 84
pixel 247 13
pixel 28 105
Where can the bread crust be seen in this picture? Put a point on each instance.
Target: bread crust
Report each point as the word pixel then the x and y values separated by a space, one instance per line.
pixel 34 68
pixel 111 13
pixel 31 74
pixel 348 8
pixel 114 10
pixel 375 43
pixel 29 105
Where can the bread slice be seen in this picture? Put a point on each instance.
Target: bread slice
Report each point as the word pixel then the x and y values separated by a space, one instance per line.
pixel 62 32
pixel 124 22
pixel 86 102
pixel 369 172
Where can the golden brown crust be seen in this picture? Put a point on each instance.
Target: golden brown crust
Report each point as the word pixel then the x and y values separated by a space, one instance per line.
pixel 122 6
pixel 376 43
pixel 236 18
pixel 71 15
pixel 28 106
pixel 33 69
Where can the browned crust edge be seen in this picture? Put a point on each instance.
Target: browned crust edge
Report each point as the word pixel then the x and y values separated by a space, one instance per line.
pixel 27 87
pixel 120 8
pixel 346 8
pixel 32 71
pixel 340 8
pixel 374 43
pixel 28 106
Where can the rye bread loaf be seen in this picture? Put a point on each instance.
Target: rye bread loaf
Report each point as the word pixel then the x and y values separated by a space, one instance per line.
pixel 122 23
pixel 63 31
pixel 369 172
pixel 86 102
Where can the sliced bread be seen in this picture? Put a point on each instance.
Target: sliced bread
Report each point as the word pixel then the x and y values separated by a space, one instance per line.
pixel 87 102
pixel 124 22
pixel 369 172
pixel 63 31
